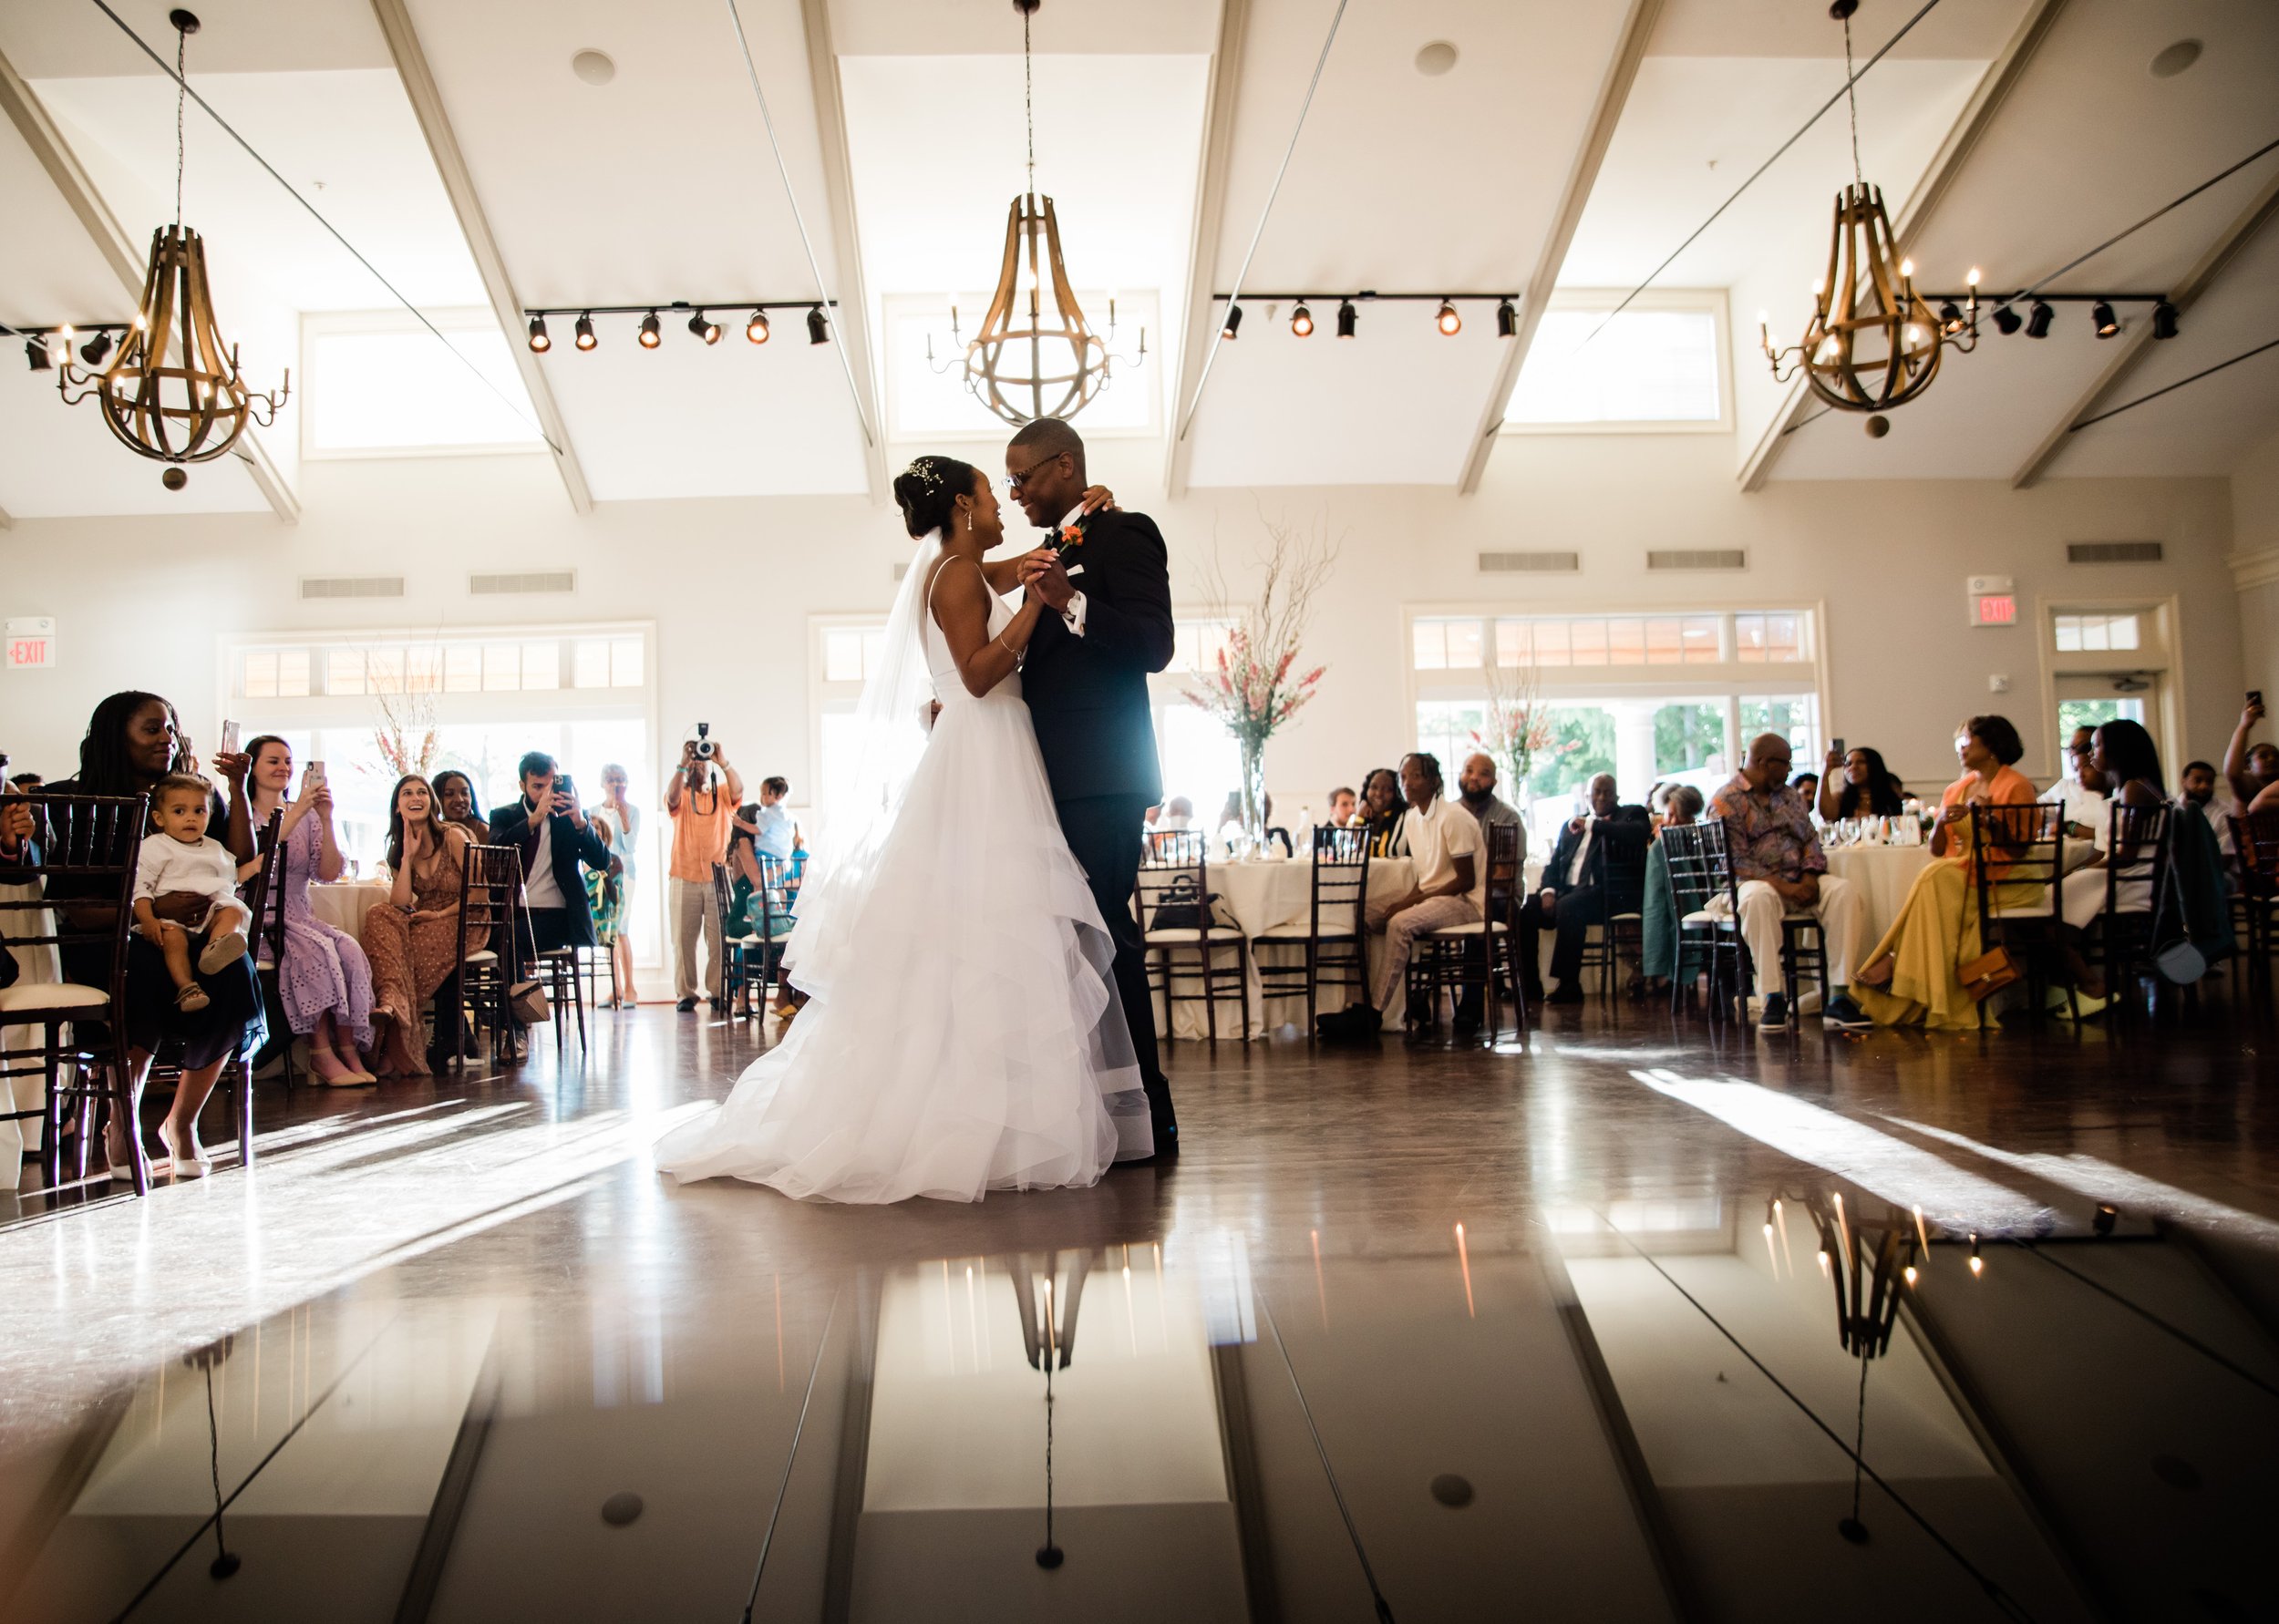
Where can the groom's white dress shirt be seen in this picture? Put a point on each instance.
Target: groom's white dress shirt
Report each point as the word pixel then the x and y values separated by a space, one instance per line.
pixel 1073 616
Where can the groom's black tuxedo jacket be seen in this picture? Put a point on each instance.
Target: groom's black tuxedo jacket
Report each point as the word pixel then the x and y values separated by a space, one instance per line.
pixel 1089 695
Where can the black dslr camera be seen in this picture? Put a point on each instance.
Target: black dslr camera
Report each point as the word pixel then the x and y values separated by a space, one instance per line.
pixel 702 744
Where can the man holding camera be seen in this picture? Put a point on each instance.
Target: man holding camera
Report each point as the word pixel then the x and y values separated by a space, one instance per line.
pixel 549 826
pixel 701 810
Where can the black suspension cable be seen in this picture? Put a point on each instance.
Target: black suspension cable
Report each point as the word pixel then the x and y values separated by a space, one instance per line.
pixel 759 1569
pixel 2148 220
pixel 1849 80
pixel 2185 1336
pixel 229 130
pixel 2132 405
pixel 1353 1534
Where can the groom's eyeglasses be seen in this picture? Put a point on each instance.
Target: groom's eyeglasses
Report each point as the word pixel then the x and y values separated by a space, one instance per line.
pixel 1013 482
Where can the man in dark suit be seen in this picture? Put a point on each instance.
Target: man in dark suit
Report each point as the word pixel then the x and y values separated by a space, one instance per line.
pixel 549 826
pixel 1109 625
pixel 1597 869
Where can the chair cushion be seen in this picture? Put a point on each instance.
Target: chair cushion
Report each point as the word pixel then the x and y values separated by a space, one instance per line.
pixel 1629 916
pixel 1498 926
pixel 482 956
pixel 1706 916
pixel 1300 938
pixel 1173 938
pixel 26 997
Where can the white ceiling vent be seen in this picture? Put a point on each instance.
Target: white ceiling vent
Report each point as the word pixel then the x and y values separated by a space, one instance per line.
pixel 533 580
pixel 352 586
pixel 1698 558
pixel 2112 552
pixel 1542 563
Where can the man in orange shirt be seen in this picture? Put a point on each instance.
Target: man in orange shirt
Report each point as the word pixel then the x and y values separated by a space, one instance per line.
pixel 701 808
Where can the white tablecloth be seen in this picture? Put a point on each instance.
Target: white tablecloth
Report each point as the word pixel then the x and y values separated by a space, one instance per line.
pixel 35 966
pixel 1880 876
pixel 343 903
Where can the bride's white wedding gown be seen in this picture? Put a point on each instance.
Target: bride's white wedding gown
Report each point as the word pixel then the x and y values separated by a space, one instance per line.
pixel 964 1034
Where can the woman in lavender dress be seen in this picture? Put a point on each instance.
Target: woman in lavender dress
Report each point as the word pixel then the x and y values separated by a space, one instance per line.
pixel 325 982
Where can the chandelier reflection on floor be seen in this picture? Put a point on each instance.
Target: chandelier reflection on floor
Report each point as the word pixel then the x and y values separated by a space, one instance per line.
pixel 1035 354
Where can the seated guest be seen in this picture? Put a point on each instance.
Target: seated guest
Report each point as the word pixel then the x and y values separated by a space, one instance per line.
pixel 413 939
pixel 28 783
pixel 323 983
pixel 2127 764
pixel 1476 788
pixel 1604 849
pixel 1178 813
pixel 2251 770
pixel 1807 785
pixel 1657 927
pixel 1779 870
pixel 2081 792
pixel 1908 978
pixel 549 826
pixel 455 795
pixel 2198 789
pixel 1451 885
pixel 1382 810
pixel 133 742
pixel 1342 802
pixel 1857 785
pixel 773 831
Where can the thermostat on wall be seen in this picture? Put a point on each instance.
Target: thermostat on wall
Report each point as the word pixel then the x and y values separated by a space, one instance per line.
pixel 1993 601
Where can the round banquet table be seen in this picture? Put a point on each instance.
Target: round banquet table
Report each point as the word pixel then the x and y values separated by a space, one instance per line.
pixel 343 903
pixel 1880 876
pixel 1264 897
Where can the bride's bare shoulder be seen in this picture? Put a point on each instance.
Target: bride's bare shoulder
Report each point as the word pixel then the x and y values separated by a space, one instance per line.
pixel 958 583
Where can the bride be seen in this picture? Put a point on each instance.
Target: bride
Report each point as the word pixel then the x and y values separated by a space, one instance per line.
pixel 963 1032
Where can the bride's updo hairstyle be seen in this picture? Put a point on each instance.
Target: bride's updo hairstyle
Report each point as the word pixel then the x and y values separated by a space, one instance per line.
pixel 927 492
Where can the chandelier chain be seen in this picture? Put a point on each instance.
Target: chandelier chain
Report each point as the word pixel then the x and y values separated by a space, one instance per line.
pixel 181 100
pixel 1851 95
pixel 1028 98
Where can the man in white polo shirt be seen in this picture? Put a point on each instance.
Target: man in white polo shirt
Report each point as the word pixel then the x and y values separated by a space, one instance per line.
pixel 1444 841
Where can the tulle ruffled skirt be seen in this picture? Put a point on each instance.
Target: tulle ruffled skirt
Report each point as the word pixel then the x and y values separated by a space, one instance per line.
pixel 963 1032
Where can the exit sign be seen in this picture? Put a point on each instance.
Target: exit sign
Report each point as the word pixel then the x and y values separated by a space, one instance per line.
pixel 31 641
pixel 1993 601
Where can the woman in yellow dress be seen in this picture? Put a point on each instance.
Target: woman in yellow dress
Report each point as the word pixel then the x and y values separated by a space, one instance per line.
pixel 1909 978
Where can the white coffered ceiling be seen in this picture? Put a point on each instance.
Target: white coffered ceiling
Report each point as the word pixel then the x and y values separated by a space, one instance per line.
pixel 1161 130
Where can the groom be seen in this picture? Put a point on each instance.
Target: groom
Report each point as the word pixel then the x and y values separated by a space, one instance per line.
pixel 1109 596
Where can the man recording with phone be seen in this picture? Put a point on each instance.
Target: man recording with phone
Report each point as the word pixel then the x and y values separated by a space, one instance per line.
pixel 548 824
pixel 701 798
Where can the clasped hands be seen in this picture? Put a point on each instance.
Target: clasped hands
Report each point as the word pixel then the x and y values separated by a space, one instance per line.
pixel 1044 578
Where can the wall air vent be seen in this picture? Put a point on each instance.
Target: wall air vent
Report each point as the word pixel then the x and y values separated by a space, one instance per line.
pixel 2112 552
pixel 1698 558
pixel 352 586
pixel 1541 563
pixel 533 580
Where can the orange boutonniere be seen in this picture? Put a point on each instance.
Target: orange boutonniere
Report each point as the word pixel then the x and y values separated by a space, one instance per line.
pixel 1068 536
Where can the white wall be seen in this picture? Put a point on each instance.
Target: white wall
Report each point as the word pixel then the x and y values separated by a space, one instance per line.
pixel 731 583
pixel 2255 563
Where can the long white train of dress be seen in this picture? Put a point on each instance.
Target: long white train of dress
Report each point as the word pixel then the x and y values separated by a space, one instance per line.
pixel 967 1036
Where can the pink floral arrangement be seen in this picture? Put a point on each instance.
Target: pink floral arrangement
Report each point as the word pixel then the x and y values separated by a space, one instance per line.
pixel 1253 692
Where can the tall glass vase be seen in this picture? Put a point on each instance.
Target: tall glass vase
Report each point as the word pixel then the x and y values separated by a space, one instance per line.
pixel 1254 792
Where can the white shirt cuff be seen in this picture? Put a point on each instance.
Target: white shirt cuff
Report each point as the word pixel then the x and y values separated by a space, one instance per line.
pixel 1073 616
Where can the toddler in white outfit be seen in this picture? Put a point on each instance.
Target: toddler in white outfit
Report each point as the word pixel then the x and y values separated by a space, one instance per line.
pixel 180 858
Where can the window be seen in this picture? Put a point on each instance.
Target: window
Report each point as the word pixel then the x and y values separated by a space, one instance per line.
pixel 606 663
pixel 1762 638
pixel 927 395
pixel 274 673
pixel 1196 644
pixel 850 653
pixel 2084 633
pixel 1643 367
pixel 1795 717
pixel 533 666
pixel 381 384
pixel 1462 643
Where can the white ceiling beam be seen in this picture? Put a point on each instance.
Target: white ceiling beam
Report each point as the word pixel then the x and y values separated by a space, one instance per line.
pixel 1970 128
pixel 854 323
pixel 1203 237
pixel 1622 72
pixel 2131 353
pixel 79 192
pixel 458 182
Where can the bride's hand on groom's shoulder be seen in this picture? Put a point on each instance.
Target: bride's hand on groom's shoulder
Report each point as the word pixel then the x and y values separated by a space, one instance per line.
pixel 1099 497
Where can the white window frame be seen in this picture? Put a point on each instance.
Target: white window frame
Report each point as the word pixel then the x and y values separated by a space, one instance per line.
pixel 1135 309
pixel 2159 627
pixel 468 319
pixel 1712 300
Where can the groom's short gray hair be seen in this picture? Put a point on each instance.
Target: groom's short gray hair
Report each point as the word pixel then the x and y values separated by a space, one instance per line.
pixel 1050 436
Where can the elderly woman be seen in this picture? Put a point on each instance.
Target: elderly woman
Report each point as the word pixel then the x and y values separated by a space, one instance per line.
pixel 1908 977
pixel 1657 928
pixel 133 740
pixel 1857 785
pixel 323 981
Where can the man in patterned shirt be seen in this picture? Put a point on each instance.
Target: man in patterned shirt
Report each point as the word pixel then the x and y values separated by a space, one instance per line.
pixel 1779 869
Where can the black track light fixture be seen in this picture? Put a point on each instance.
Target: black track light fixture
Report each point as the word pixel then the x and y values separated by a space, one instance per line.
pixel 1301 321
pixel 818 329
pixel 584 331
pixel 2108 323
pixel 96 346
pixel 2038 320
pixel 757 328
pixel 1951 318
pixel 2008 320
pixel 539 342
pixel 1448 321
pixel 652 332
pixel 1233 327
pixel 35 353
pixel 1507 320
pixel 2164 320
pixel 704 327
pixel 1346 318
